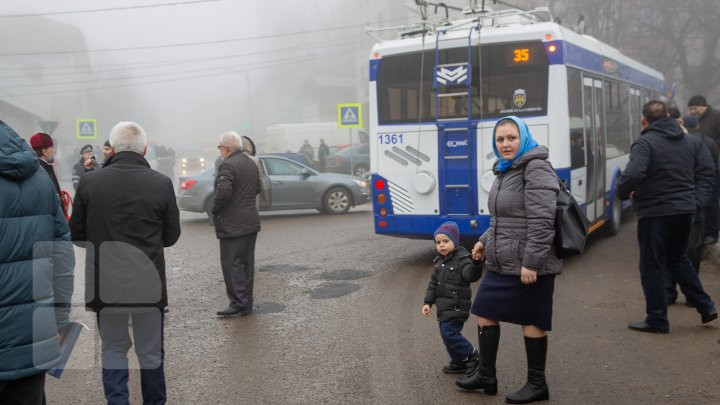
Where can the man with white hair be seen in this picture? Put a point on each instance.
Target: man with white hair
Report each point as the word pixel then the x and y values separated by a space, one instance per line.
pixel 124 215
pixel 237 222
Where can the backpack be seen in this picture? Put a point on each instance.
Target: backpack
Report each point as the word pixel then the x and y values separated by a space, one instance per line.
pixel 571 224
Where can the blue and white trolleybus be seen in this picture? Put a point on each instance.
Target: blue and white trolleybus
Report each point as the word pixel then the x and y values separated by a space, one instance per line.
pixel 436 93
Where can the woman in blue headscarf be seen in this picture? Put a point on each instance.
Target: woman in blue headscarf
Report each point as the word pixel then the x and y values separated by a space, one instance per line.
pixel 519 257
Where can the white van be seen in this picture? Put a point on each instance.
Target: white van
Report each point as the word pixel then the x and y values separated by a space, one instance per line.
pixel 284 138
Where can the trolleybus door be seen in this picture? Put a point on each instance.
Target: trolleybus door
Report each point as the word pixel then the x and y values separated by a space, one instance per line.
pixel 594 118
pixel 458 176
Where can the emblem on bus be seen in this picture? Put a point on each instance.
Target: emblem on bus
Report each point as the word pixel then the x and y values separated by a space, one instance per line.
pixel 519 98
pixel 455 144
pixel 452 76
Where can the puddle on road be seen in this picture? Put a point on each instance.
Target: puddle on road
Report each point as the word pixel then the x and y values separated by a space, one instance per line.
pixel 267 308
pixel 344 274
pixel 334 290
pixel 281 268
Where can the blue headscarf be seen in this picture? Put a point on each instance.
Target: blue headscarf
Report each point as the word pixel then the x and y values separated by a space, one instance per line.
pixel 526 142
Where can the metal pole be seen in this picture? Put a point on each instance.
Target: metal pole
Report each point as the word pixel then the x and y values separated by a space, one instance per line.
pixel 352 164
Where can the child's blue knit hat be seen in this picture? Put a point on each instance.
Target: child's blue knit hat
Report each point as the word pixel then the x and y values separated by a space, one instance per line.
pixel 450 229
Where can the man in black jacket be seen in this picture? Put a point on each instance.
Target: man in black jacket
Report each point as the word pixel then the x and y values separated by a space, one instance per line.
pixel 44 148
pixel 709 117
pixel 125 214
pixel 669 177
pixel 237 222
pixel 86 164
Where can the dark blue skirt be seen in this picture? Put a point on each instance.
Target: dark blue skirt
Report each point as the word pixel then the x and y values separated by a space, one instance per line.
pixel 506 299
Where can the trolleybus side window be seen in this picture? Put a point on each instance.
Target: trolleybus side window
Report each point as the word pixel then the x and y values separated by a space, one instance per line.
pixel 575 109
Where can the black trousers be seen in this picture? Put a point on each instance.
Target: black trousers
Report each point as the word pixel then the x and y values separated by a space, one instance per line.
pixel 694 252
pixel 24 391
pixel 237 258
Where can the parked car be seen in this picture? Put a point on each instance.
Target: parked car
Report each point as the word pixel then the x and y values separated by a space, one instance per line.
pixel 290 184
pixel 358 155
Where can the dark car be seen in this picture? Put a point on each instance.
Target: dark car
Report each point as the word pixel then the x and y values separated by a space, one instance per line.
pixel 357 155
pixel 290 184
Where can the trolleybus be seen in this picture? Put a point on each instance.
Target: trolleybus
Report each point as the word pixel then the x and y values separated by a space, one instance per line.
pixel 436 94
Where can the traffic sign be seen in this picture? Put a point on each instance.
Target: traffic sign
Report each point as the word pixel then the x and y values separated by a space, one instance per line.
pixel 349 115
pixel 48 126
pixel 86 129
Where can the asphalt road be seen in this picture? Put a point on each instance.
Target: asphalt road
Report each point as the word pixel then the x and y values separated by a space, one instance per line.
pixel 337 321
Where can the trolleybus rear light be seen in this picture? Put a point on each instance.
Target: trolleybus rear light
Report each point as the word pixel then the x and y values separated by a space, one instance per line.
pixel 380 184
pixel 382 224
pixel 382 212
pixel 381 198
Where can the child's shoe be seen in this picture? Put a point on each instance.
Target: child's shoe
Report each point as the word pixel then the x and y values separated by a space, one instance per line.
pixel 455 368
pixel 466 365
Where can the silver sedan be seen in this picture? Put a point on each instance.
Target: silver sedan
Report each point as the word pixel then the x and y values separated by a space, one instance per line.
pixel 291 185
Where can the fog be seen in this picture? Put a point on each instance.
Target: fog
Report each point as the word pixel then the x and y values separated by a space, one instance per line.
pixel 188 70
pixel 185 70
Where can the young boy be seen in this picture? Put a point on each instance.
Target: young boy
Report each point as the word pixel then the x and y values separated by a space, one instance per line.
pixel 449 290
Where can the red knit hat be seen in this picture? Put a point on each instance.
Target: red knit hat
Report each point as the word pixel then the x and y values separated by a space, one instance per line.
pixel 41 141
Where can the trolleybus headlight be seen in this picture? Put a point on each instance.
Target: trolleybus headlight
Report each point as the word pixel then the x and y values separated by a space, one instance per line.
pixel 552 48
pixel 381 198
pixel 382 212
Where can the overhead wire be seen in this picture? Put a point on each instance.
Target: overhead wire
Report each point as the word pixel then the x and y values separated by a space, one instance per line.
pixel 165 73
pixel 98 10
pixel 84 69
pixel 184 44
pixel 125 85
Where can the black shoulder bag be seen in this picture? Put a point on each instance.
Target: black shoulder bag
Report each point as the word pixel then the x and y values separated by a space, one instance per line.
pixel 571 224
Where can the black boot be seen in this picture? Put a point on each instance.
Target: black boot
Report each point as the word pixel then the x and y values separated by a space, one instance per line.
pixel 536 388
pixel 483 376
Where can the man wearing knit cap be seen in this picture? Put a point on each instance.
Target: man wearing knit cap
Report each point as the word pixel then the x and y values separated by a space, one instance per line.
pixel 44 148
pixel 107 153
pixel 709 117
pixel 87 163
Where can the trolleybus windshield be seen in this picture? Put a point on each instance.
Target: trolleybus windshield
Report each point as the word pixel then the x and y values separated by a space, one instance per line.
pixel 514 82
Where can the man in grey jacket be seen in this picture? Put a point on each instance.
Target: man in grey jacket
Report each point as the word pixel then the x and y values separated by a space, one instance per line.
pixel 237 222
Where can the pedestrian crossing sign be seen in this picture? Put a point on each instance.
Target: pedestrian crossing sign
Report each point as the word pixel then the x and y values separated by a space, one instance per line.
pixel 349 115
pixel 86 129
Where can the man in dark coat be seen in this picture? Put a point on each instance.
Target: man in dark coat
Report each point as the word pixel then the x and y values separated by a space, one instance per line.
pixel 323 152
pixel 87 163
pixel 125 214
pixel 701 226
pixel 36 272
pixel 669 177
pixel 44 148
pixel 709 117
pixel 237 222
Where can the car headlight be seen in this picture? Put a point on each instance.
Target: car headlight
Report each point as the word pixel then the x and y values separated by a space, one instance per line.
pixel 360 183
pixel 184 160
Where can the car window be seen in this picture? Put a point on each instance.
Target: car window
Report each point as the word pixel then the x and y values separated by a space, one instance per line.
pixel 364 148
pixel 280 167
